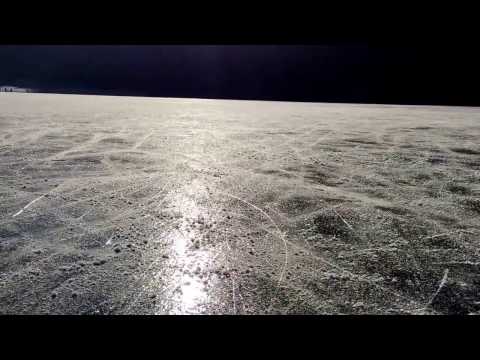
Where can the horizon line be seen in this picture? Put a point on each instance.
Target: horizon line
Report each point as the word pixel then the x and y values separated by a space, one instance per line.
pixel 33 91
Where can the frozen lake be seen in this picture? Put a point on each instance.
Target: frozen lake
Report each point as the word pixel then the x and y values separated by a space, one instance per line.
pixel 114 205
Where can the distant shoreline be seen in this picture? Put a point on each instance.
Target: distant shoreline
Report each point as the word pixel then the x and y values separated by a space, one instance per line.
pixel 9 88
pixel 252 100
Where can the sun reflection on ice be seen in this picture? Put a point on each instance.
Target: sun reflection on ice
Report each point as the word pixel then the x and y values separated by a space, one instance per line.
pixel 192 289
pixel 189 257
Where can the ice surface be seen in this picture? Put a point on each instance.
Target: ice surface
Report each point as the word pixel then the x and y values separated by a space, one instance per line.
pixel 147 205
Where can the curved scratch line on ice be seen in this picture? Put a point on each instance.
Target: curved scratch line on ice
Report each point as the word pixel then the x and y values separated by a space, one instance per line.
pixel 141 142
pixel 109 241
pixel 280 234
pixel 231 277
pixel 28 205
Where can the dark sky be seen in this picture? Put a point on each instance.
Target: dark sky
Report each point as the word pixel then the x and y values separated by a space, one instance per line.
pixel 341 72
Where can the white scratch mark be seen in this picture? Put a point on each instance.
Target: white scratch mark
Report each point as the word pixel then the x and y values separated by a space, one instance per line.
pixel 28 205
pixel 341 218
pixel 109 241
pixel 280 234
pixel 233 295
pixel 440 287
pixel 140 143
